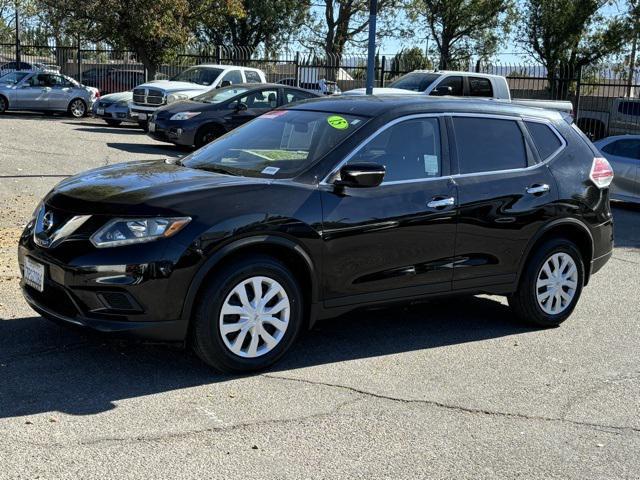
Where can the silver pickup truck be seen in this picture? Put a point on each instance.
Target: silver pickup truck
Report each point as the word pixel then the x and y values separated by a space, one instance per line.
pixel 461 84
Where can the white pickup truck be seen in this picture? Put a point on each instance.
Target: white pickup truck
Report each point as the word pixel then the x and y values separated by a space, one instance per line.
pixel 150 96
pixel 461 84
pixel 601 117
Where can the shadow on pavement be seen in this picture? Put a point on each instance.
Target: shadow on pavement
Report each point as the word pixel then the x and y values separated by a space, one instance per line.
pixel 121 130
pixel 626 218
pixel 144 148
pixel 48 368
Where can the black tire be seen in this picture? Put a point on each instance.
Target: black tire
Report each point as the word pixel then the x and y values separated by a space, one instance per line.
pixel 113 123
pixel 524 301
pixel 4 104
pixel 206 338
pixel 77 108
pixel 144 125
pixel 207 134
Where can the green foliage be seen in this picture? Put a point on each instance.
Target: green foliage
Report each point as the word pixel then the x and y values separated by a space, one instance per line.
pixel 465 27
pixel 411 59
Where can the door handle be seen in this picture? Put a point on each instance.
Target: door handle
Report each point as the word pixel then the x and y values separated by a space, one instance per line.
pixel 441 202
pixel 537 189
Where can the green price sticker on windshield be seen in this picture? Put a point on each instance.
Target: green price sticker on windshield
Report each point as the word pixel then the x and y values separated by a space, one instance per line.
pixel 338 122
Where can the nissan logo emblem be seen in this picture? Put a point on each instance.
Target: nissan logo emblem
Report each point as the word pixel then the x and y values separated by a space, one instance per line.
pixel 47 221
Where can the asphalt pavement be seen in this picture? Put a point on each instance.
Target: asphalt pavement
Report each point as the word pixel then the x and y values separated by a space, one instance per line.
pixel 448 389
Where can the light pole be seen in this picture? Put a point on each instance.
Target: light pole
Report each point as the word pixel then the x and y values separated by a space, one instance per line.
pixel 371 60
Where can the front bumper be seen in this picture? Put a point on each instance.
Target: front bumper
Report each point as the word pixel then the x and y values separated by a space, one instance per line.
pixel 141 300
pixel 113 112
pixel 176 132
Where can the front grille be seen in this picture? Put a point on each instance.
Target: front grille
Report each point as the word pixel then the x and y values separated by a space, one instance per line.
pixel 55 299
pixel 148 96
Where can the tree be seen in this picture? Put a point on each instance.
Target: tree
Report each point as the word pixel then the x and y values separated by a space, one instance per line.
pixel 464 27
pixel 253 22
pixel 565 35
pixel 336 23
pixel 409 60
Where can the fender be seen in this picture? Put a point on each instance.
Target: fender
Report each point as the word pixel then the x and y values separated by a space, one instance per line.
pixel 574 222
pixel 229 248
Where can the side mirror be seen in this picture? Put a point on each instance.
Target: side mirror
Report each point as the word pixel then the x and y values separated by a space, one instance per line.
pixel 361 175
pixel 440 91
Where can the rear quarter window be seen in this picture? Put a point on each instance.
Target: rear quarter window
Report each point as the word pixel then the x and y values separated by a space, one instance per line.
pixel 488 144
pixel 545 140
pixel 252 77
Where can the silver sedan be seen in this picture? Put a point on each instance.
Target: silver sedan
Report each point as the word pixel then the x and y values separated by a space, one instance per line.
pixel 623 153
pixel 45 91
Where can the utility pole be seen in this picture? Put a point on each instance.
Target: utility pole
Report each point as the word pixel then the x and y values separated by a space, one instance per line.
pixel 371 60
pixel 18 59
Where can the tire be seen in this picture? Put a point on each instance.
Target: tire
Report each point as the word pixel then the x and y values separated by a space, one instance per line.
pixel 144 125
pixel 207 134
pixel 77 108
pixel 529 303
pixel 215 347
pixel 113 123
pixel 4 104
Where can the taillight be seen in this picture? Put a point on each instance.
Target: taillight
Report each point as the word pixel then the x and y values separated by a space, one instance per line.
pixel 601 172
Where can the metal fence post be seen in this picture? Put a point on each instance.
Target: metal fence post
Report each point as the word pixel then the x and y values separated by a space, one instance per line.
pixel 18 59
pixel 297 66
pixel 382 65
pixel 578 84
pixel 79 59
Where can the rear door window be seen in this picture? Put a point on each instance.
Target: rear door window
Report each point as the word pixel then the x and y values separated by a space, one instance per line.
pixel 488 144
pixel 480 87
pixel 296 95
pixel 546 141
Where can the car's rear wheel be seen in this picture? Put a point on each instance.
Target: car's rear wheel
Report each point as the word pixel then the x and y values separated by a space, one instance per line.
pixel 248 315
pixel 77 108
pixel 551 284
pixel 113 123
pixel 207 134
pixel 4 104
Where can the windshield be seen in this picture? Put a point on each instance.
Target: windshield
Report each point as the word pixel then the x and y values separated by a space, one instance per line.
pixel 415 81
pixel 13 77
pixel 199 75
pixel 278 144
pixel 219 95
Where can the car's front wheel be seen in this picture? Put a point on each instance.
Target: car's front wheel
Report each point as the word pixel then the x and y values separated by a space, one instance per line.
pixel 77 108
pixel 248 315
pixel 551 284
pixel 4 105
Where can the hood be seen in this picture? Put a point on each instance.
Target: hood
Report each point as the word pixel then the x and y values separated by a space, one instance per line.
pixel 382 91
pixel 140 188
pixel 117 97
pixel 169 86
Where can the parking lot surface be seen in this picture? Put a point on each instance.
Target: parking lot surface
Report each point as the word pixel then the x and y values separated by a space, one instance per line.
pixel 447 389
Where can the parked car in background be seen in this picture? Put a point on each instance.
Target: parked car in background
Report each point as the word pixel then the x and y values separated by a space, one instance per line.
pixel 322 86
pixel 150 96
pixel 114 108
pixel 46 92
pixel 610 117
pixel 196 122
pixel 623 153
pixel 92 76
pixel 461 84
pixel 116 81
pixel 318 208
pixel 26 66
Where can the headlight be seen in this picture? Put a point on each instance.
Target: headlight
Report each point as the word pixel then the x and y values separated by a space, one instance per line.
pixel 184 115
pixel 176 97
pixel 125 231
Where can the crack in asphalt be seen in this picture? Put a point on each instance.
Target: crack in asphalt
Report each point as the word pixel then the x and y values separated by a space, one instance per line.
pixel 179 435
pixel 459 408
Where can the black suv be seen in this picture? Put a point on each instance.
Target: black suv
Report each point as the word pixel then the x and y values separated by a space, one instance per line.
pixel 313 210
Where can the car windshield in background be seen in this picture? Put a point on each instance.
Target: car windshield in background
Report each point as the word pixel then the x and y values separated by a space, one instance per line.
pixel 415 81
pixel 13 77
pixel 219 95
pixel 199 75
pixel 278 144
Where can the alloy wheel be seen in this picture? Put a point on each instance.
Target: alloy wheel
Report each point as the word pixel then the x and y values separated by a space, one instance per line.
pixel 77 108
pixel 556 283
pixel 254 317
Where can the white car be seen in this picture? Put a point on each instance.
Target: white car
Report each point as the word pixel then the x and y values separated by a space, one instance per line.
pixel 150 96
pixel 623 153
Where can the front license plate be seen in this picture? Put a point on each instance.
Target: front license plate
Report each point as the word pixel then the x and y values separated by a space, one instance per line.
pixel 34 274
pixel 142 116
pixel 101 111
pixel 152 127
